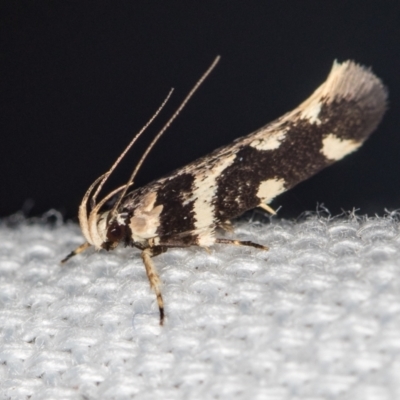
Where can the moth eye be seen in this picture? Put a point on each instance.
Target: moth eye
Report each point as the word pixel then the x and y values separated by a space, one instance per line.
pixel 115 232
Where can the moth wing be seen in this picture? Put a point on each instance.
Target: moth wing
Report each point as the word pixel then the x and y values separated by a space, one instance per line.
pixel 333 122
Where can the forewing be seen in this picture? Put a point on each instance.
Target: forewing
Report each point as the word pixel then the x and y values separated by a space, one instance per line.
pixel 333 122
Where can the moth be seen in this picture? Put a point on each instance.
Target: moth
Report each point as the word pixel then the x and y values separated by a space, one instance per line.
pixel 189 206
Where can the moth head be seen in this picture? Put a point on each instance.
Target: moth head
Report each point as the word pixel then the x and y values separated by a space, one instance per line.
pixel 113 230
pixel 139 226
pixel 105 230
pixel 101 229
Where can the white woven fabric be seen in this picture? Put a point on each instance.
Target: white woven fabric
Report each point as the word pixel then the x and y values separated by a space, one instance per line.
pixel 316 317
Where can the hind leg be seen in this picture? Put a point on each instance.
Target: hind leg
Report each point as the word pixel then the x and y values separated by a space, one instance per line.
pixel 241 243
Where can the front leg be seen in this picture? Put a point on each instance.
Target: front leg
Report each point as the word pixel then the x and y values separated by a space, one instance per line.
pixel 152 275
pixel 154 250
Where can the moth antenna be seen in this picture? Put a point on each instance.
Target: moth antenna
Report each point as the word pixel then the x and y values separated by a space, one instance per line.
pixel 132 142
pixel 166 126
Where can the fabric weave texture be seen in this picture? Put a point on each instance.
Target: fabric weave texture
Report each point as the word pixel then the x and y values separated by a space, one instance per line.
pixel 315 317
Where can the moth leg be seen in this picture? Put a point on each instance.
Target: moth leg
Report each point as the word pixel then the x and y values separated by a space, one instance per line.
pixel 170 242
pixel 78 250
pixel 267 208
pixel 241 243
pixel 154 279
pixel 227 226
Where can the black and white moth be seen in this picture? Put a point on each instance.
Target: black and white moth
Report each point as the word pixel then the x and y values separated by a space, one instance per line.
pixel 189 206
